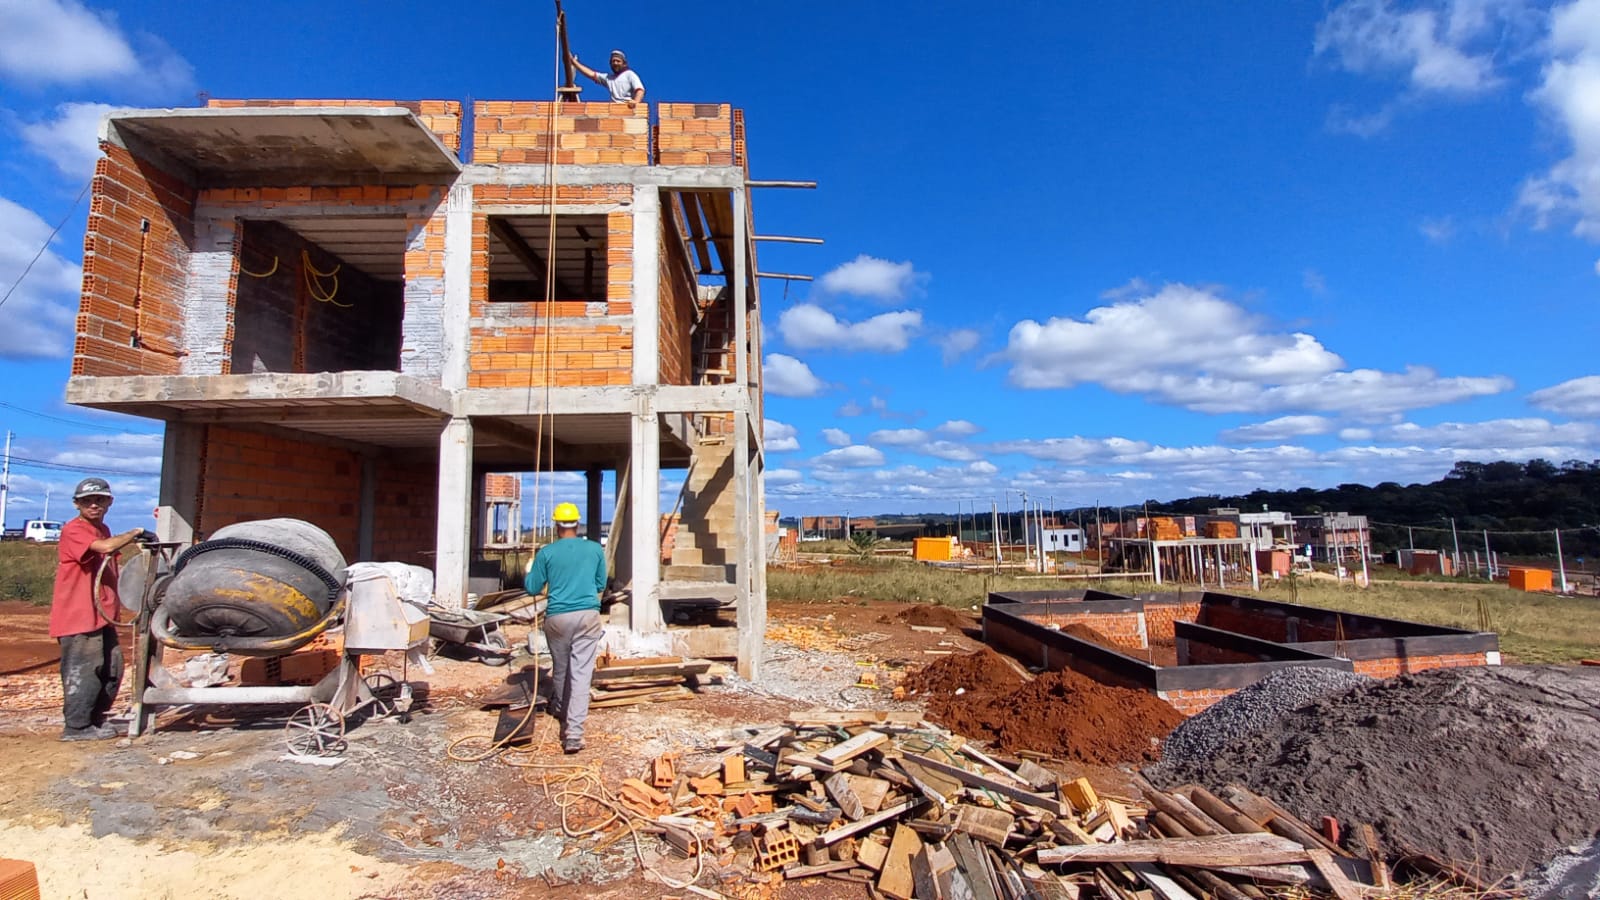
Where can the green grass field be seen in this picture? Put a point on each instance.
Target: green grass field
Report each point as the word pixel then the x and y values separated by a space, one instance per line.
pixel 1534 628
pixel 27 571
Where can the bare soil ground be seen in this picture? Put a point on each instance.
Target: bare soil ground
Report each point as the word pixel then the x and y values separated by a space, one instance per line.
pixel 397 818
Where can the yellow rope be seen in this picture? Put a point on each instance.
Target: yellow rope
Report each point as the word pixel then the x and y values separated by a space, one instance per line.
pixel 315 288
pixel 267 274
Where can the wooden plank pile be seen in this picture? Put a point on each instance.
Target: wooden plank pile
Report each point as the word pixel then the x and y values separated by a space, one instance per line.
pixel 909 810
pixel 659 679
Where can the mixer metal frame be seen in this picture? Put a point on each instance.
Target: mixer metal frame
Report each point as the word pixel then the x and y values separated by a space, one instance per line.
pixel 315 729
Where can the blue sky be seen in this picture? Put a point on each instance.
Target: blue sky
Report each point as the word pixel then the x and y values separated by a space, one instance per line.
pixel 1097 254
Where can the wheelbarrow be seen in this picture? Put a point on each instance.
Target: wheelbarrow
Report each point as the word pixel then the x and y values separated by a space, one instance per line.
pixel 473 629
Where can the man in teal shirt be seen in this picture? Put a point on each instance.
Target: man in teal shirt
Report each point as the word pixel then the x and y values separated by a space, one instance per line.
pixel 574 570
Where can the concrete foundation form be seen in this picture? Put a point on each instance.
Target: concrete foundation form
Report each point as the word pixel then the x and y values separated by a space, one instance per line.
pixel 1219 642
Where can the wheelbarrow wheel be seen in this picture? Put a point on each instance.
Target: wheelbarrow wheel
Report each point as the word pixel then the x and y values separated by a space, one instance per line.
pixel 385 690
pixel 316 729
pixel 498 641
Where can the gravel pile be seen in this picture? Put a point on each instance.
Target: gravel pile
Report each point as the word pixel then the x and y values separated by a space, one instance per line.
pixel 1251 710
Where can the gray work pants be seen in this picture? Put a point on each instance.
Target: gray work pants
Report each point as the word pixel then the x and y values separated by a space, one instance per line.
pixel 573 639
pixel 91 673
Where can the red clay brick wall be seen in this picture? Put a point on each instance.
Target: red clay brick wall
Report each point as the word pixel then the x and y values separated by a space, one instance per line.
pixel 1191 702
pixel 133 279
pixel 405 513
pixel 1391 666
pixel 595 352
pixel 1158 618
pixel 280 324
pixel 248 475
pixel 669 537
pixel 442 117
pixel 502 487
pixel 694 134
pixel 1265 627
pixel 506 131
pixel 677 297
pixel 1121 627
pixel 1204 654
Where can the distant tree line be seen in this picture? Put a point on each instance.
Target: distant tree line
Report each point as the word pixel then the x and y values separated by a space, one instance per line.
pixel 1537 497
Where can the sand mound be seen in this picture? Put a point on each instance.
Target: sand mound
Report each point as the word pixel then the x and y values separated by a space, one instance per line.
pixel 1063 714
pixel 1496 768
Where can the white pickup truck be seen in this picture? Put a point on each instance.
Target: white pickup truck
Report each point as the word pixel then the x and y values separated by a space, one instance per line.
pixel 39 531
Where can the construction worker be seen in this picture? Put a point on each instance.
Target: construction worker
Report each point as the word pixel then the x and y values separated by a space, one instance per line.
pixel 91 656
pixel 623 82
pixel 574 570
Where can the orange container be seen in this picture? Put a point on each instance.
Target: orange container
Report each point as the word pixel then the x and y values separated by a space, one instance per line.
pixel 1524 579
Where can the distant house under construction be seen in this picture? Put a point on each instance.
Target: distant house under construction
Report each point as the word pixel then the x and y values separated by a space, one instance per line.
pixel 355 311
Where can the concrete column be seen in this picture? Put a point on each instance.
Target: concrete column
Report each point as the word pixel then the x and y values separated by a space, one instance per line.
pixel 369 503
pixel 620 543
pixel 592 514
pixel 739 279
pixel 646 284
pixel 178 514
pixel 454 542
pixel 749 513
pixel 645 522
pixel 435 330
pixel 207 300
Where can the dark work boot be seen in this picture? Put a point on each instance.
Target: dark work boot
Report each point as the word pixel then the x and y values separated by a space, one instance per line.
pixel 92 733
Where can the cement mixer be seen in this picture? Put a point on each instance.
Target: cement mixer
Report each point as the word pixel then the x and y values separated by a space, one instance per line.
pixel 266 589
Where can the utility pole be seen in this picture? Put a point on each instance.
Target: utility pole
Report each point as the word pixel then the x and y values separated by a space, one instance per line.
pixel 1457 540
pixel 1561 562
pixel 5 481
pixel 46 515
pixel 1488 556
pixel 847 523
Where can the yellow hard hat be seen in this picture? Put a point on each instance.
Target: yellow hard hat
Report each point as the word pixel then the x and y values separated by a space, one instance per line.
pixel 565 514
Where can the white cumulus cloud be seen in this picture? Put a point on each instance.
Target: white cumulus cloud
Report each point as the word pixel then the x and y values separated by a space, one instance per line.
pixel 810 327
pixel 1279 429
pixel 837 437
pixel 69 139
pixel 1187 347
pixel 898 437
pixel 1569 96
pixel 784 476
pixel 779 437
pixel 37 322
pixel 64 42
pixel 955 344
pixel 1579 397
pixel 869 276
pixel 957 428
pixel 1445 47
pixel 785 376
pixel 855 456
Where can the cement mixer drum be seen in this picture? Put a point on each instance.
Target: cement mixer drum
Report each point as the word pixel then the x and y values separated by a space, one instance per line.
pixel 267 578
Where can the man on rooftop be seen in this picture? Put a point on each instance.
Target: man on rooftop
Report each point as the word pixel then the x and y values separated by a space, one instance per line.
pixel 623 82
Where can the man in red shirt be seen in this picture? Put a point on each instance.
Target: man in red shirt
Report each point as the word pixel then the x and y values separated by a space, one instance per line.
pixel 91 657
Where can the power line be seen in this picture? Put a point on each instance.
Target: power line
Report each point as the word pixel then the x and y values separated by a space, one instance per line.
pixel 46 465
pixel 64 421
pixel 46 245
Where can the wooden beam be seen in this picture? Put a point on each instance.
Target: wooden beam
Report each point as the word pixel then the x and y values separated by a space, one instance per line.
pixel 697 231
pixel 781 184
pixel 973 779
pixel 783 275
pixel 1205 852
pixel 785 239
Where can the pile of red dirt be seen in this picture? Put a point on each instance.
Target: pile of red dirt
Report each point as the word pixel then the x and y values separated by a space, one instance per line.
pixel 983 671
pixel 1064 714
pixel 1084 633
pixel 937 617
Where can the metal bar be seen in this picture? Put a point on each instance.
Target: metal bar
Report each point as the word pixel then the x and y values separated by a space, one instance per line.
pixel 241 695
pixel 783 275
pixel 780 184
pixel 785 239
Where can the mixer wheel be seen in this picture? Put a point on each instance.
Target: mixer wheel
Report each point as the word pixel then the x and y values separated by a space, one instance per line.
pixel 315 729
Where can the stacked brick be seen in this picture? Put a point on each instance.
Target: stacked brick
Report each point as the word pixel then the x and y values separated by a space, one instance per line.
pixel 442 117
pixel 502 488
pixel 405 512
pixel 695 134
pixel 566 343
pixel 522 131
pixel 1124 629
pixel 1388 667
pixel 678 298
pixel 135 269
pixel 248 475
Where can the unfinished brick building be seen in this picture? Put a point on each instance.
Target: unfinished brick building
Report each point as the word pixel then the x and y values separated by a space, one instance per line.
pixel 353 311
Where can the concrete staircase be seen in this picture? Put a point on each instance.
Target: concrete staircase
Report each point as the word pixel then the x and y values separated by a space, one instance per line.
pixel 706 545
